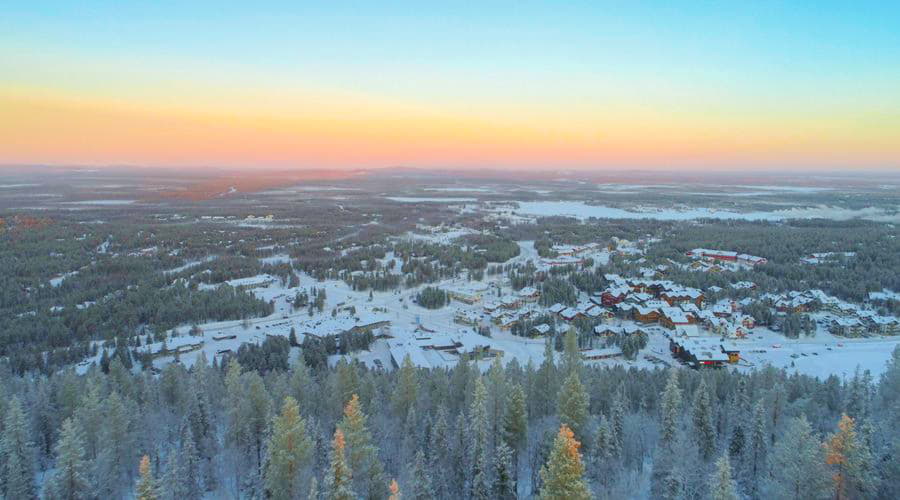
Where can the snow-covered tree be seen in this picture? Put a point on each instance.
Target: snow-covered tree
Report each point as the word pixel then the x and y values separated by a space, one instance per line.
pixel 362 456
pixel 16 454
pixel 146 487
pixel 671 409
pixel 851 462
pixel 407 387
pixel 420 478
pixel 479 452
pixel 504 473
pixel 338 477
pixel 69 481
pixel 798 464
pixel 562 475
pixel 704 432
pixel 721 485
pixel 573 404
pixel 288 452
pixel 757 453
pixel 515 420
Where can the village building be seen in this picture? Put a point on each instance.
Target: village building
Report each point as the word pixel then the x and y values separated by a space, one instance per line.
pixel 600 354
pixel 540 330
pixel 569 313
pixel 670 317
pixel 470 318
pixel 556 308
pixel 529 294
pixel 698 353
pixel 646 314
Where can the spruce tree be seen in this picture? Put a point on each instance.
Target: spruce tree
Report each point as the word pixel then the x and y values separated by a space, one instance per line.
pixel 313 492
pixel 619 406
pixel 562 474
pixel 288 452
pixel 515 420
pixel 191 478
pixel 16 454
pixel 338 477
pixel 798 464
pixel 571 355
pixel 421 479
pixel 721 485
pixel 479 447
pixel 69 480
pixel 758 445
pixel 146 487
pixel 704 432
pixel 851 461
pixel 504 472
pixel 407 387
pixel 545 394
pixel 671 409
pixel 573 404
pixel 362 456
pixel 170 485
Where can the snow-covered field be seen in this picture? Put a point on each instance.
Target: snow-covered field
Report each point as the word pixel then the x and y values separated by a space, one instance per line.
pixel 410 326
pixel 413 199
pixel 582 210
pixel 100 202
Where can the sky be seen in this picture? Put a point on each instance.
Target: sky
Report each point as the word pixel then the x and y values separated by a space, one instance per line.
pixel 495 84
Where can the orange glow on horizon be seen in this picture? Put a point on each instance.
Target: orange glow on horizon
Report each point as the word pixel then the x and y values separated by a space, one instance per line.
pixel 334 132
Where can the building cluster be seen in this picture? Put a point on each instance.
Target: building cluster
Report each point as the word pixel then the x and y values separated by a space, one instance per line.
pixel 673 306
pixel 726 256
pixel 706 260
pixel 840 317
pixel 819 258
pixel 504 311
pixel 703 352
pixel 431 350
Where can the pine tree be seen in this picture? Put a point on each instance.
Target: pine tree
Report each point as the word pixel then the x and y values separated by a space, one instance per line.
pixel 497 390
pixel 562 474
pixel 439 453
pixel 69 481
pixel 146 486
pixel 394 490
pixel 303 388
pixel 851 461
pixel 758 443
pixel 505 483
pixel 313 493
pixel 671 409
pixel 571 354
pixel 704 431
pixel 248 413
pixel 515 420
pixel 289 450
pixel 117 436
pixel 421 479
pixel 736 443
pixel 620 403
pixel 339 477
pixel 16 454
pixel 362 456
pixel 478 449
pixel 798 464
pixel 90 419
pixel 573 404
pixel 721 486
pixel 545 393
pixel 407 387
pixel 190 480
pixel 170 487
